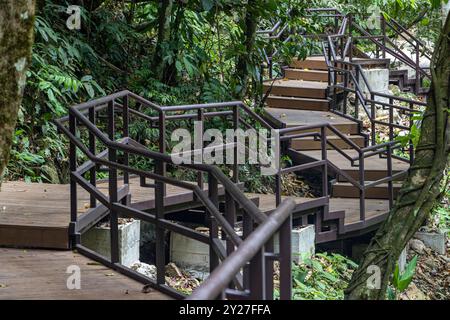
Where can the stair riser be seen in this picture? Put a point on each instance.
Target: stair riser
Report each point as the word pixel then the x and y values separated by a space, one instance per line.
pixel 309 64
pixel 306 75
pixel 297 104
pixel 369 175
pixel 304 144
pixel 297 92
pixel 340 191
pixel 343 128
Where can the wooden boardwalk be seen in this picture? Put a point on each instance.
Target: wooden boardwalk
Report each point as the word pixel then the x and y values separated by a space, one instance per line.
pixel 37 215
pixel 41 274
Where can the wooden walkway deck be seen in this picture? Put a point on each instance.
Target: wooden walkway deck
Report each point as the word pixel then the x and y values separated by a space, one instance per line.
pixel 37 215
pixel 41 274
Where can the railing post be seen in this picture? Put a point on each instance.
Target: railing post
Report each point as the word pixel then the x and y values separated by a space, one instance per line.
pixel 113 217
pixel 247 228
pixel 362 189
pixel 73 184
pixel 200 118
pixel 356 94
pixel 350 23
pixel 235 155
pixel 126 123
pixel 92 149
pixel 411 123
pixel 373 115
pixel 323 141
pixel 285 235
pixel 160 169
pixel 418 75
pixel 213 193
pixel 389 155
pixel 383 32
pixel 257 277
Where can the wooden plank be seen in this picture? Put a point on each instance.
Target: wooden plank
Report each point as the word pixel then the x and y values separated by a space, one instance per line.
pixel 41 274
pixel 297 103
pixel 297 88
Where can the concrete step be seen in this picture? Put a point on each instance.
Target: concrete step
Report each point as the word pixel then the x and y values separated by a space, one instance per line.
pixel 347 190
pixel 297 88
pixel 308 143
pixel 314 62
pixel 297 103
pixel 287 118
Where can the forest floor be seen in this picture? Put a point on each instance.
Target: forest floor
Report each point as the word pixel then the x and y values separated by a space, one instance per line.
pixel 432 277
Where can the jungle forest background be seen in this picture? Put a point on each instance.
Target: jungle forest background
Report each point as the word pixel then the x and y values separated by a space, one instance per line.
pixel 170 52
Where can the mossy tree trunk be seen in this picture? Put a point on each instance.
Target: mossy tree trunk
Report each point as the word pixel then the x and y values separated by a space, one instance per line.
pixel 422 187
pixel 16 39
pixel 164 30
pixel 244 61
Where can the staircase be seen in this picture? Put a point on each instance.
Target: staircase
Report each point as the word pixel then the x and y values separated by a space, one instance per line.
pixel 299 99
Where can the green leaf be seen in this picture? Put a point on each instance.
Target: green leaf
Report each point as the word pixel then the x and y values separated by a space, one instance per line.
pixel 407 276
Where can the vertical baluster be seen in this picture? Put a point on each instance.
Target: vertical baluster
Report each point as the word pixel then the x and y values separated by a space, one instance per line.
pixel 213 194
pixel 126 122
pixel 113 217
pixel 356 94
pixel 373 115
pixel 247 228
pixel 389 155
pixel 417 84
pixel 323 141
pixel 411 123
pixel 286 260
pixel 200 118
pixel 350 23
pixel 235 159
pixel 73 183
pixel 383 32
pixel 160 169
pixel 92 149
pixel 257 277
pixel 362 190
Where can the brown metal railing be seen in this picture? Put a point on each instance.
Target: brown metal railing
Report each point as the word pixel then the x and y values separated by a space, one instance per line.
pixel 113 114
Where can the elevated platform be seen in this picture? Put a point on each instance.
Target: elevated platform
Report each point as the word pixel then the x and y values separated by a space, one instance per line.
pixel 41 274
pixel 37 215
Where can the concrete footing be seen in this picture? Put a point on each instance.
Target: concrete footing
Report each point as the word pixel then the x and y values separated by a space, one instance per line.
pixel 98 239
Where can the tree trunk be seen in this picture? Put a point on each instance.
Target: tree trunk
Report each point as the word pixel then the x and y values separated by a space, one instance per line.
pixel 244 59
pixel 420 190
pixel 16 39
pixel 164 13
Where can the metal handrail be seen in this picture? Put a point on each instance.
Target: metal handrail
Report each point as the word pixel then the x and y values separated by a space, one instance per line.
pixel 221 277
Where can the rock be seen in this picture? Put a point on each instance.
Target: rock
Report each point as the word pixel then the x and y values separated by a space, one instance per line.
pixel 413 293
pixel 173 271
pixel 147 270
pixel 417 246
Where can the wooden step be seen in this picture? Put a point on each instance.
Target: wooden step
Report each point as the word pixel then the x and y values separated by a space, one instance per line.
pixel 308 143
pixel 297 103
pixel 306 74
pixel 297 88
pixel 314 62
pixel 287 118
pixel 375 168
pixel 347 190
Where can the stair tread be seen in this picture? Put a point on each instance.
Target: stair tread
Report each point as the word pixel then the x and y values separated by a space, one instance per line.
pixel 374 207
pixel 297 117
pixel 330 137
pixel 307 70
pixel 296 98
pixel 381 185
pixel 373 163
pixel 303 84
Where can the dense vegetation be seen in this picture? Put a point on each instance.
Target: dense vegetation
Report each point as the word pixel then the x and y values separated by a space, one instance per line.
pixel 190 52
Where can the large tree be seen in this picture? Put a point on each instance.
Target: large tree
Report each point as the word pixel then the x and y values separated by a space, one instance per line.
pixel 422 187
pixel 16 39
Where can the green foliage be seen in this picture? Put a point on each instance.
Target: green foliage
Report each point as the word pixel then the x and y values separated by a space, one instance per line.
pixel 401 280
pixel 321 277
